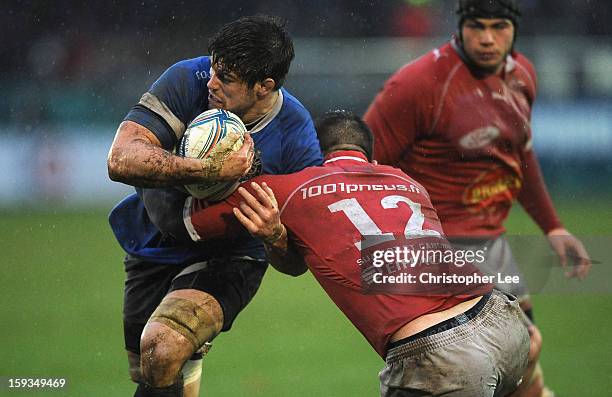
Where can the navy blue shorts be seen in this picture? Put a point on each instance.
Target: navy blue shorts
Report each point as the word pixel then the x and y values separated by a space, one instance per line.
pixel 233 281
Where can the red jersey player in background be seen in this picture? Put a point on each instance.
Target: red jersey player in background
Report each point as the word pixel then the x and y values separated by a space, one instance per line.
pixel 458 120
pixel 330 215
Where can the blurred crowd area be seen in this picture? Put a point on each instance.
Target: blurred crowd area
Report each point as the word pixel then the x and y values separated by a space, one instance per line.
pixel 69 60
pixel 71 70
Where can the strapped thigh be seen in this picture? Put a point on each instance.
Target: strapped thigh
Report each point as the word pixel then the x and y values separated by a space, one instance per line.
pixel 186 317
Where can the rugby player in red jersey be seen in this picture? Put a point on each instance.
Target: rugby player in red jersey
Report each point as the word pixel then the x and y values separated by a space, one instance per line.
pixel 458 120
pixel 471 342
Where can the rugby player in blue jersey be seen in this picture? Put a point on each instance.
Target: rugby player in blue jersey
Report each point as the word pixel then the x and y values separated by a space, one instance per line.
pixel 178 294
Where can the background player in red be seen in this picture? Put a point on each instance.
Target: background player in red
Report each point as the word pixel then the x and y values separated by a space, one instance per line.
pixel 330 215
pixel 458 120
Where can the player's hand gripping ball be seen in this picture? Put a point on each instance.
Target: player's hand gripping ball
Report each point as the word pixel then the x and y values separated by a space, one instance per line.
pixel 211 137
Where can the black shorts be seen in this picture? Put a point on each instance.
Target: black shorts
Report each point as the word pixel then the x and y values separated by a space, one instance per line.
pixel 233 281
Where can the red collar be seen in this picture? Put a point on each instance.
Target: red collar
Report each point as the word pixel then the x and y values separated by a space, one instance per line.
pixel 351 155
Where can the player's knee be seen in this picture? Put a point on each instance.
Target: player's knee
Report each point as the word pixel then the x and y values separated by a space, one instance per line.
pixel 163 353
pixel 178 328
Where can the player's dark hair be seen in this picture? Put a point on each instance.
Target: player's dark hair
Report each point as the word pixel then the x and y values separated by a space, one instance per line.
pixel 340 127
pixel 254 48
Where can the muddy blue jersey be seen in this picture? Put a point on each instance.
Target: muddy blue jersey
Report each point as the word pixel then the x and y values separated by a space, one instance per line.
pixel 285 142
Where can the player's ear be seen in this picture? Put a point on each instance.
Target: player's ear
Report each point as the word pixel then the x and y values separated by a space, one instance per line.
pixel 266 87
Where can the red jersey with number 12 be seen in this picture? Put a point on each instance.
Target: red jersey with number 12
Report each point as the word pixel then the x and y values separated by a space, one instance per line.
pixel 329 212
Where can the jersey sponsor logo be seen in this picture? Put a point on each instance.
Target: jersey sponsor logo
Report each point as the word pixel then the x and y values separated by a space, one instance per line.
pixel 492 187
pixel 480 137
pixel 409 186
pixel 330 188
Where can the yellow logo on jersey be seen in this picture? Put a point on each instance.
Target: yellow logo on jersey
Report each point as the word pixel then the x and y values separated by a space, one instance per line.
pixel 491 187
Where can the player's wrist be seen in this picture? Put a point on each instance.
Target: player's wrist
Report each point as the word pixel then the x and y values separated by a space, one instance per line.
pixel 279 232
pixel 558 231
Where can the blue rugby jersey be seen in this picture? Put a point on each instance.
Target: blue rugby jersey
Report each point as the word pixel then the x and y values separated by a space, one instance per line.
pixel 285 139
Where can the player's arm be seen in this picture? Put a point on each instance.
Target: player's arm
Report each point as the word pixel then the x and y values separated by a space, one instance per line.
pixel 536 201
pixel 283 256
pixel 399 115
pixel 165 209
pixel 141 153
pixel 261 217
pixel 137 158
pixel 240 213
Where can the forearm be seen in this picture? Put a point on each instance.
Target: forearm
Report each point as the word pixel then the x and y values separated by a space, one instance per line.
pixel 534 196
pixel 283 257
pixel 137 158
pixel 165 209
pixel 261 217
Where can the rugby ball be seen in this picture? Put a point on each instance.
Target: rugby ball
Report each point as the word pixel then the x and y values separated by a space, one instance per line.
pixel 212 134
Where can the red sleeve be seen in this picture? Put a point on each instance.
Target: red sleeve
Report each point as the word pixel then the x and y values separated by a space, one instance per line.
pixel 534 197
pixel 398 114
pixel 206 222
pixel 214 221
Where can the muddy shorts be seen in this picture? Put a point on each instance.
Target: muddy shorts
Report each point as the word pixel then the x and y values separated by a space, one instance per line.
pixel 480 353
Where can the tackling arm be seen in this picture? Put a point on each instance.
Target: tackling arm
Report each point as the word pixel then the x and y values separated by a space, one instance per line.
pixel 261 217
pixel 258 215
pixel 282 255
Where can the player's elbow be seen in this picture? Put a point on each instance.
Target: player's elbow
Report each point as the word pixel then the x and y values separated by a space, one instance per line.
pixel 122 159
pixel 296 272
pixel 290 270
pixel 112 165
pixel 165 210
pixel 116 164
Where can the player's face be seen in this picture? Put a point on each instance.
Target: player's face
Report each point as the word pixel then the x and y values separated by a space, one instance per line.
pixel 227 91
pixel 487 42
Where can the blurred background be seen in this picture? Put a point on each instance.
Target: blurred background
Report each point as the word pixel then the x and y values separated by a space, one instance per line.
pixel 71 70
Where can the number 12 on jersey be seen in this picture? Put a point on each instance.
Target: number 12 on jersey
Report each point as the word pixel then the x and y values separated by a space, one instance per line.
pixel 369 230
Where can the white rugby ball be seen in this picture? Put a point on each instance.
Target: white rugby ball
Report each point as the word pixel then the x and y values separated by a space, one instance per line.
pixel 212 131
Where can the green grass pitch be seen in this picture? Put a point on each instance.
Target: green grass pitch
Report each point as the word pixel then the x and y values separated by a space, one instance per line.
pixel 61 317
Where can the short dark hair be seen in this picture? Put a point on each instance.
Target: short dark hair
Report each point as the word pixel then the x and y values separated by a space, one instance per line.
pixel 254 48
pixel 342 127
